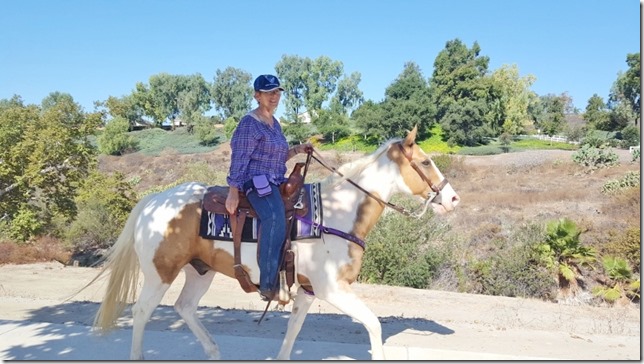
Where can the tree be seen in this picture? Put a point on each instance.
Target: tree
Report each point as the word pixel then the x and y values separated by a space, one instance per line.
pixel 549 114
pixel 169 96
pixel 115 139
pixel 596 114
pixel 232 92
pixel 407 104
pixel 332 125
pixel 348 96
pixel 45 154
pixel 627 87
pixel 308 83
pixel 461 94
pixel 54 98
pixel 369 118
pixel 512 98
pixel 292 72
pixel 125 107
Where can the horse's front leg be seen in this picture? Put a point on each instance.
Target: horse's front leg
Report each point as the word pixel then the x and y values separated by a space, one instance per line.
pixel 301 304
pixel 350 304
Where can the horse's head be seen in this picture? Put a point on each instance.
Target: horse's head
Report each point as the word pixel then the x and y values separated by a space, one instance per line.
pixel 421 176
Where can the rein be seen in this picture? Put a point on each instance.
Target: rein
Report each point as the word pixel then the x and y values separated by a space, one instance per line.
pixel 402 210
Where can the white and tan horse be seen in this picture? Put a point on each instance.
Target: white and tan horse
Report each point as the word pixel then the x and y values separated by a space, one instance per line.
pixel 161 237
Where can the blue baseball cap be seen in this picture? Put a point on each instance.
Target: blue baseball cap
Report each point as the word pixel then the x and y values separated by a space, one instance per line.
pixel 266 83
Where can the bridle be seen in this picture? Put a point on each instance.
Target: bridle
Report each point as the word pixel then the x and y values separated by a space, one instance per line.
pixel 435 188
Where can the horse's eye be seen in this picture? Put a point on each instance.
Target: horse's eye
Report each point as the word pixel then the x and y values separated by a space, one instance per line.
pixel 427 162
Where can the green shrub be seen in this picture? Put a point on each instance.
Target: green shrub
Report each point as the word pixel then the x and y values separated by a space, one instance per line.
pixel 115 139
pixel 595 158
pixel 514 270
pixel 621 283
pixel 104 203
pixel 627 245
pixel 399 250
pixel 630 136
pixel 26 224
pixel 631 179
pixel 562 251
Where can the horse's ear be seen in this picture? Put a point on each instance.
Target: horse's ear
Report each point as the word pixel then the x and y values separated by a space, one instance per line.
pixel 410 139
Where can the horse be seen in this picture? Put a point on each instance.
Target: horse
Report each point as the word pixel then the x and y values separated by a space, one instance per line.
pixel 160 238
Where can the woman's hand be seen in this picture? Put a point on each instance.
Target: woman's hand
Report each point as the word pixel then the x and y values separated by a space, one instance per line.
pixel 300 148
pixel 232 200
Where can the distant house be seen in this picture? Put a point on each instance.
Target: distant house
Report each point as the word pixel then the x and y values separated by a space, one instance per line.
pixel 305 117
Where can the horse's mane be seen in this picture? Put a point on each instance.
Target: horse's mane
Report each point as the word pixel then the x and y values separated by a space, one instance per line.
pixel 353 168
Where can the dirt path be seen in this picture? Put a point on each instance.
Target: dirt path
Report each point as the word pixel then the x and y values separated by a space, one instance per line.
pixel 463 323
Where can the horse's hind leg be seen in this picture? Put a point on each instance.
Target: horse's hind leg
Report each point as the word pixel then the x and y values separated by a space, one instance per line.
pixel 151 295
pixel 301 305
pixel 186 305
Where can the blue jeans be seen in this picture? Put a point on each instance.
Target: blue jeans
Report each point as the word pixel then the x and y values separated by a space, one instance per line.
pixel 272 233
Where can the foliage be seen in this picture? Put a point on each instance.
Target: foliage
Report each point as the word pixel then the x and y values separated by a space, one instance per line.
pixel 204 129
pixel 232 93
pixel 596 114
pixel 622 284
pixel 308 82
pixel 532 143
pixel 435 142
pixel 230 125
pixel 45 154
pixel 595 158
pixel 155 141
pixel 298 132
pixel 400 250
pixel 513 272
pixel 370 120
pixel 512 96
pixel 631 179
pixel 626 244
pixel 332 125
pixel 630 136
pixel 460 94
pixel 626 90
pixel 115 139
pixel 548 113
pixel 26 223
pixel 168 97
pixel 636 155
pixel 104 203
pixel 562 250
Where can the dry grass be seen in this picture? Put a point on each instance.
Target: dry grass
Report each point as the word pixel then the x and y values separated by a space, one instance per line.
pixel 44 249
pixel 498 195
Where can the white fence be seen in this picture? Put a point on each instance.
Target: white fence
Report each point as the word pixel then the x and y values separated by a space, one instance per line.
pixel 554 138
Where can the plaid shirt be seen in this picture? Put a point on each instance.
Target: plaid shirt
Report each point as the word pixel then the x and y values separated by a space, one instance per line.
pixel 257 149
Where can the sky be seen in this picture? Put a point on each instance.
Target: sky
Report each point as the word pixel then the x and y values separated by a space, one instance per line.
pixel 93 49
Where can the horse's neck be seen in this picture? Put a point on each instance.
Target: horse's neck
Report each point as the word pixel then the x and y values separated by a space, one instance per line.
pixel 350 209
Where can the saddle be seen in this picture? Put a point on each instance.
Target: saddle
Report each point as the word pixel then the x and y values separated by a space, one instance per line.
pixel 215 201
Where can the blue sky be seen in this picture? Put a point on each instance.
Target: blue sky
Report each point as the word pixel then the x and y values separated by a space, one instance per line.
pixel 93 49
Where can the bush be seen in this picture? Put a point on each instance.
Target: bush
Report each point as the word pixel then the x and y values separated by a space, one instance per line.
pixel 630 136
pixel 595 158
pixel 515 270
pixel 631 179
pixel 104 203
pixel 625 244
pixel 399 250
pixel 115 139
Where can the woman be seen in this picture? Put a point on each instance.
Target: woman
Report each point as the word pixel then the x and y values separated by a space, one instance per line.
pixel 257 168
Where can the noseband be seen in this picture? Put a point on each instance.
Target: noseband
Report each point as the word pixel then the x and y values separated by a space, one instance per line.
pixel 436 189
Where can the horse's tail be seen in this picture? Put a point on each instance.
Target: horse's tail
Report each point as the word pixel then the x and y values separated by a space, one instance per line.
pixel 124 265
